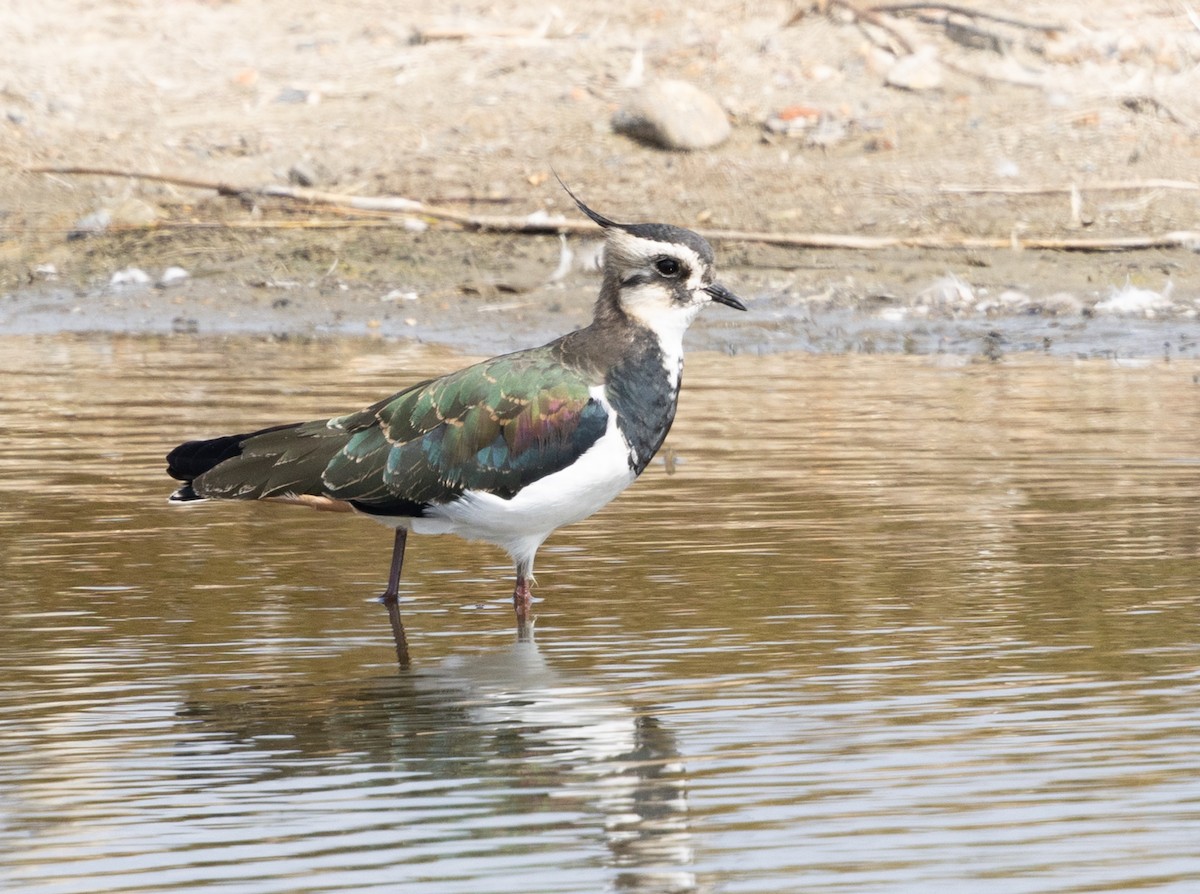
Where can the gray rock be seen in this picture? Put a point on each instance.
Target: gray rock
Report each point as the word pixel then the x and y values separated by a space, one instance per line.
pixel 130 276
pixel 673 115
pixel 296 96
pixel 134 212
pixel 302 174
pixel 91 224
pixel 172 276
pixel 919 71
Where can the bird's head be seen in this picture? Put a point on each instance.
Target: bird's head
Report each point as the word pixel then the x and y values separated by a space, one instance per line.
pixel 657 274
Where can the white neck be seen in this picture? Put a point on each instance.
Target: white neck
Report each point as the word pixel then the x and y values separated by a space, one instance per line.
pixel 668 322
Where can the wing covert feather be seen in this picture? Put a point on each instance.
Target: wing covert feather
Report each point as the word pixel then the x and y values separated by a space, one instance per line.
pixel 496 426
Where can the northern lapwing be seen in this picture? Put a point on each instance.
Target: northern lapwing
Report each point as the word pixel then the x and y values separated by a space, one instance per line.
pixel 507 450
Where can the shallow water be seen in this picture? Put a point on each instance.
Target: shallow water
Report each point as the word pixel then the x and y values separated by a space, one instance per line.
pixel 882 623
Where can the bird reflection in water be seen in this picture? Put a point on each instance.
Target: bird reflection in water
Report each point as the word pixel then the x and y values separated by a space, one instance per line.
pixel 504 729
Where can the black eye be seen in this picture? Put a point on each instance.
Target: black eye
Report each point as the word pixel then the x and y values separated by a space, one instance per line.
pixel 667 266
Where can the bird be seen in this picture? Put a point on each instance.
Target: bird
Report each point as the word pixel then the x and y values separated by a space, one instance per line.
pixel 509 449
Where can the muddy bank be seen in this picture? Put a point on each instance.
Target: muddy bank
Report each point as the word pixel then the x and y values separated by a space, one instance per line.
pixel 486 294
pixel 1074 122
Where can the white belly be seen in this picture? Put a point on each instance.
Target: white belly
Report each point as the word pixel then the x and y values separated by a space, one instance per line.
pixel 521 524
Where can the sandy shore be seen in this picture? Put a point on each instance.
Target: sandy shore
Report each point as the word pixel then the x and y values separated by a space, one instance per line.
pixel 1090 131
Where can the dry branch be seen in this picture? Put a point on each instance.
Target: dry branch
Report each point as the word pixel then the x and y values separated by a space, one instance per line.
pixel 404 209
pixel 1177 239
pixel 900 45
pixel 1139 105
pixel 871 17
pixel 1103 186
pixel 965 11
pixel 387 204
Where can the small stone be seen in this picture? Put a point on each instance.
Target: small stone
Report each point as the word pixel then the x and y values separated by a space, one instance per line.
pixel 828 133
pixel 1129 300
pixel 948 293
pixel 245 78
pixel 918 71
pixel 172 275
pixel 399 295
pixel 301 174
pixel 130 276
pixel 1008 169
pixel 47 272
pixel 91 224
pixel 297 96
pixel 133 212
pixel 673 115
pixel 1060 304
pixel 793 120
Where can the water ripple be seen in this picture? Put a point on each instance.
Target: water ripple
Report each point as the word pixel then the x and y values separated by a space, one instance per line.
pixel 878 624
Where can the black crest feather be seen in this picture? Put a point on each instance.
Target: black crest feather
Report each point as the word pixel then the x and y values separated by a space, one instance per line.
pixel 596 216
pixel 654 231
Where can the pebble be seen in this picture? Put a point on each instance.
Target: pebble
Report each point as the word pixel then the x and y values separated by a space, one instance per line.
pixel 1010 301
pixel 91 224
pixel 917 71
pixel 674 115
pixel 130 276
pixel 400 295
pixel 949 292
pixel 297 96
pixel 172 276
pixel 129 212
pixel 814 127
pixel 794 120
pixel 1060 304
pixel 1008 169
pixel 134 212
pixel 302 174
pixel 1129 300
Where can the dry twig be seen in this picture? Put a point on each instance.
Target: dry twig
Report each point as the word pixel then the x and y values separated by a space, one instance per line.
pixel 894 41
pixel 1103 186
pixel 955 9
pixel 1141 103
pixel 869 16
pixel 386 204
pixel 403 209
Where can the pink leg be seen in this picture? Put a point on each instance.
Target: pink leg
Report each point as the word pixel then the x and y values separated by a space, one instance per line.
pixel 522 601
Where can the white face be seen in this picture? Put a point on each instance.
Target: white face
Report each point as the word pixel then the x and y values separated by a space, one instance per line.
pixel 662 283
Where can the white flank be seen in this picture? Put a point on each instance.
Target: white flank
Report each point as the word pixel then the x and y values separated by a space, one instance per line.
pixel 521 524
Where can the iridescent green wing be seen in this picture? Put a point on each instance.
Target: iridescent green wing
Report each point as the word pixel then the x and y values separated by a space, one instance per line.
pixel 496 427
